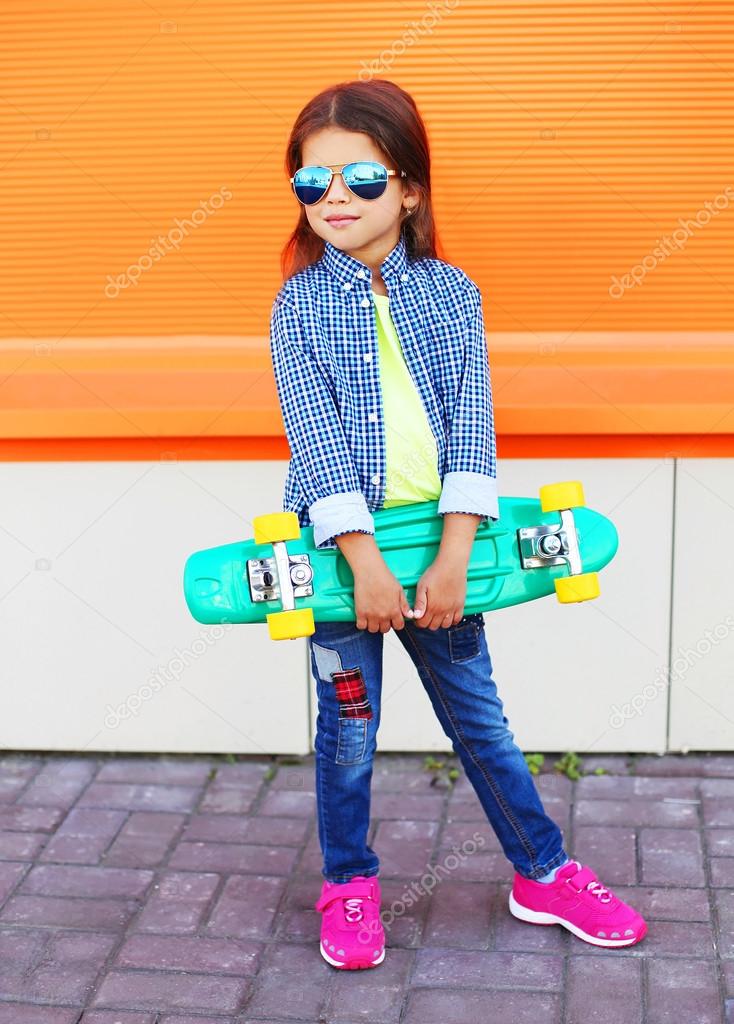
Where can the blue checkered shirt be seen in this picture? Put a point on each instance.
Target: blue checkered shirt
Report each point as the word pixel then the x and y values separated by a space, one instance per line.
pixel 323 344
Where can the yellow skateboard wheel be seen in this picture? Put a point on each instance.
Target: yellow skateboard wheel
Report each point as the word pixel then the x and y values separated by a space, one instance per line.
pixel 583 587
pixel 291 625
pixel 276 526
pixel 554 497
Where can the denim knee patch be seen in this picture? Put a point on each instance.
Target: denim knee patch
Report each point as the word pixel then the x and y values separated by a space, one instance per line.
pixel 464 638
pixel 354 708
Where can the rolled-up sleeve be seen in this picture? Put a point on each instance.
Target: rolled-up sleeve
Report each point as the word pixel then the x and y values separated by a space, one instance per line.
pixel 470 481
pixel 322 460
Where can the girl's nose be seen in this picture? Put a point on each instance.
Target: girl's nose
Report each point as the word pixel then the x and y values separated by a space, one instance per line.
pixel 337 189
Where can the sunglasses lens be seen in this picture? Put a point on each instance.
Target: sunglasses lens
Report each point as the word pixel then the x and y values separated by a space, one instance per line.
pixel 310 184
pixel 366 179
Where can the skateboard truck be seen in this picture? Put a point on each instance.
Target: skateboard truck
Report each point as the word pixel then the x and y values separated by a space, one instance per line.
pixel 558 543
pixel 284 577
pixel 551 544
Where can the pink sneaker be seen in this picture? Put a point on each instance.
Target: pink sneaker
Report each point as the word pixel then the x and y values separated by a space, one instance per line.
pixel 352 935
pixel 578 901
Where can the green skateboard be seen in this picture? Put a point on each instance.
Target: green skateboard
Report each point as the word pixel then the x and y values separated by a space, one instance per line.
pixel 534 549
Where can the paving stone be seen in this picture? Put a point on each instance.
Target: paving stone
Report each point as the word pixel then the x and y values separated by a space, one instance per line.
pixel 236 828
pixel 724 903
pixel 466 1006
pixel 21 845
pixel 409 808
pixel 719 842
pixel 145 839
pixel 609 851
pixel 73 880
pixel 247 906
pixel 671 856
pixel 480 969
pixel 83 836
pixel 405 847
pixel 59 783
pixel 177 902
pixel 670 765
pixel 58 912
pixel 27 1013
pixel 605 996
pixel 288 804
pixel 18 818
pixel 683 990
pixel 140 797
pixel 11 875
pixel 459 915
pixel 168 1018
pixel 293 982
pixel 190 953
pixel 722 872
pixel 169 990
pixel 667 904
pixel 119 1017
pixel 621 787
pixel 455 833
pixel 159 771
pixel 642 811
pixel 356 996
pixel 718 811
pixel 227 800
pixel 231 857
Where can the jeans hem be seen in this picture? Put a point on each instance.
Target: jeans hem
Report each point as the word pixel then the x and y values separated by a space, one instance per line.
pixel 561 858
pixel 341 879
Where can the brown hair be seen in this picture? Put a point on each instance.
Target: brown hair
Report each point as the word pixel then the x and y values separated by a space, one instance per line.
pixel 389 115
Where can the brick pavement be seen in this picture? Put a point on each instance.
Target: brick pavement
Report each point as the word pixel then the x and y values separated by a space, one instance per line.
pixel 140 889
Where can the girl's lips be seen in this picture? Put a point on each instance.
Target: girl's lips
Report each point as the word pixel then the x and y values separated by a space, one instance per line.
pixel 341 222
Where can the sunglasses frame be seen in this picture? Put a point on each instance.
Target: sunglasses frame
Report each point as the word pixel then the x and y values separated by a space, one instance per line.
pixel 338 169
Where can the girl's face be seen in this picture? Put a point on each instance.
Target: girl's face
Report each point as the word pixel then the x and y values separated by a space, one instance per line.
pixel 371 221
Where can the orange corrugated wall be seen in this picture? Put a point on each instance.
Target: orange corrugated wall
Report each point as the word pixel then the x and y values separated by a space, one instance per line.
pixel 568 139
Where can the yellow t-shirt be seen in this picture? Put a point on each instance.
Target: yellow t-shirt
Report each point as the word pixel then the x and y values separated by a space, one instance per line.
pixel 412 455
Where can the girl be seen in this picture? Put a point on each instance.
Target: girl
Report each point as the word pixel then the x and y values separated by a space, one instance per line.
pixel 380 362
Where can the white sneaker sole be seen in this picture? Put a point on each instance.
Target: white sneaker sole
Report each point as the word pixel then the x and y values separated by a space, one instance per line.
pixel 341 963
pixel 539 917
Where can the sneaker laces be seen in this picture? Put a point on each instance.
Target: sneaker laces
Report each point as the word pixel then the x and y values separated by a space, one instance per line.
pixel 353 912
pixel 595 888
pixel 599 890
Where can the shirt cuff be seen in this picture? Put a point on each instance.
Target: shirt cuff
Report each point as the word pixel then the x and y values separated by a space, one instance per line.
pixel 463 491
pixel 340 513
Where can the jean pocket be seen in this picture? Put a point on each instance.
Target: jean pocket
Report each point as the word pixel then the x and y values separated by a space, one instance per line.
pixel 351 740
pixel 464 638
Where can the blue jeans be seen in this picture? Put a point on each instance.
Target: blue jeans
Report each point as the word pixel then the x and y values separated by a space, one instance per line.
pixel 454 666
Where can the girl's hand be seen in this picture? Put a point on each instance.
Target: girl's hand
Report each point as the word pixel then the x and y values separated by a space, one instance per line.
pixel 440 594
pixel 380 602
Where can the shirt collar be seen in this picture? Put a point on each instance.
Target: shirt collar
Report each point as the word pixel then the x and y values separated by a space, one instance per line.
pixel 346 268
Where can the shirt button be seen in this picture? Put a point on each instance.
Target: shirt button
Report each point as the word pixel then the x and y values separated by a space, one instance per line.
pixel 403 277
pixel 368 357
pixel 360 273
pixel 376 478
pixel 366 302
pixel 347 284
pixel 372 417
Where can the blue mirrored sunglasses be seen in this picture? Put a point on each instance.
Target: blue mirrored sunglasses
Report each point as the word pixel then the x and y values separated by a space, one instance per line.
pixel 367 179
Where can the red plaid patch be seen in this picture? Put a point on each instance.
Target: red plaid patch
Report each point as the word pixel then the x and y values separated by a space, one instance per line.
pixel 351 693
